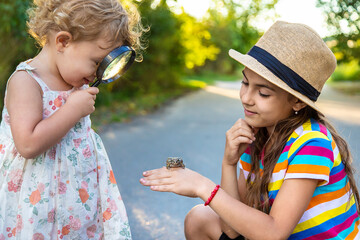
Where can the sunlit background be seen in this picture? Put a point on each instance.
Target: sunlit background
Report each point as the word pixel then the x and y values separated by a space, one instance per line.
pixel 207 38
pixel 187 45
pixel 188 40
pixel 301 11
pixel 186 49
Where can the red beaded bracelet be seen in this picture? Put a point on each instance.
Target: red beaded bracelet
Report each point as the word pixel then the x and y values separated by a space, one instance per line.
pixel 212 195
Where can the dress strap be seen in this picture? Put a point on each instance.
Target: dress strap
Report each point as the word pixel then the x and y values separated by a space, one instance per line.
pixel 24 66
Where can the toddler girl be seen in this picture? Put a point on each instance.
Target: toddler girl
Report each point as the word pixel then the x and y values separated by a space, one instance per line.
pixel 56 180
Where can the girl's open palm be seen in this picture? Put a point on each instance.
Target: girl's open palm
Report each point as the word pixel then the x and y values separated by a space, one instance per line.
pixel 238 137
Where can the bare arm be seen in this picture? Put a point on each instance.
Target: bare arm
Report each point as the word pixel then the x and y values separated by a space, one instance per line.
pixel 290 204
pixel 238 138
pixel 33 135
pixel 239 195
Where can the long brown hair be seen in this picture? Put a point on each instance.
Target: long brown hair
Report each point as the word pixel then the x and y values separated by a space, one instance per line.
pixel 257 188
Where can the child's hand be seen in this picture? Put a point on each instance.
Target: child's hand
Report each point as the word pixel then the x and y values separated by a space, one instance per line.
pixel 184 182
pixel 83 100
pixel 238 137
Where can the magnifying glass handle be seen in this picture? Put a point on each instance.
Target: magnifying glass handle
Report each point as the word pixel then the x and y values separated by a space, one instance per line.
pixel 96 83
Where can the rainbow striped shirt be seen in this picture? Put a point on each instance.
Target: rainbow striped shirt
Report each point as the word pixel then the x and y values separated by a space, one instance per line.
pixel 311 153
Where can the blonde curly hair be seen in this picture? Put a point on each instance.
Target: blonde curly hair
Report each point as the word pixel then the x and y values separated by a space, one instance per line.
pixel 86 20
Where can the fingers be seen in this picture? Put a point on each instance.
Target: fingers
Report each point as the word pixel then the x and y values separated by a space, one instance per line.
pixel 242 140
pixel 155 176
pixel 241 123
pixel 242 134
pixel 241 131
pixel 92 90
pixel 176 180
pixel 156 181
pixel 158 171
pixel 162 184
pixel 162 188
pixel 162 172
pixel 162 179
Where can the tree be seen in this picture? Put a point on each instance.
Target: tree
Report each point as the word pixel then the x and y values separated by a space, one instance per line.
pixel 15 43
pixel 163 60
pixel 344 20
pixel 176 44
pixel 196 41
pixel 231 25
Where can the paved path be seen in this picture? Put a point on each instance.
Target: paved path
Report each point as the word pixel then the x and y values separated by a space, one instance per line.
pixel 192 127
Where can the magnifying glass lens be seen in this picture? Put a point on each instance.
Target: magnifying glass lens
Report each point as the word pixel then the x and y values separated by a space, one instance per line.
pixel 117 65
pixel 114 65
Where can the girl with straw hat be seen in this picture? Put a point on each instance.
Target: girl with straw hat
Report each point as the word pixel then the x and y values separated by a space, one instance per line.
pixel 295 180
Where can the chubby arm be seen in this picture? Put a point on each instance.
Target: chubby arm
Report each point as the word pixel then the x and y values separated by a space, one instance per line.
pixel 32 134
pixel 290 203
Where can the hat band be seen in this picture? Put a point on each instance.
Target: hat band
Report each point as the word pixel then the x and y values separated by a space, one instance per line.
pixel 286 74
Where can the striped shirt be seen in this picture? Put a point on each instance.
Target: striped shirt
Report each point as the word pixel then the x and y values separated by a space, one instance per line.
pixel 311 153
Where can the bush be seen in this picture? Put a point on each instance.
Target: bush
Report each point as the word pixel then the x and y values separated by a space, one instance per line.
pixel 347 72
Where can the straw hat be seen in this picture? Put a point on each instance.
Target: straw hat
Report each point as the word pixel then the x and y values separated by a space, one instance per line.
pixel 293 57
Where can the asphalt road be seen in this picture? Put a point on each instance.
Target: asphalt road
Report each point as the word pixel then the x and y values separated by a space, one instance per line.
pixel 192 127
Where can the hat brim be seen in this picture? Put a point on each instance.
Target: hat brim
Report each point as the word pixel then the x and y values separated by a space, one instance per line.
pixel 251 63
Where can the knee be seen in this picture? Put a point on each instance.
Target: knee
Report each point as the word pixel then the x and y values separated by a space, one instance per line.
pixel 196 219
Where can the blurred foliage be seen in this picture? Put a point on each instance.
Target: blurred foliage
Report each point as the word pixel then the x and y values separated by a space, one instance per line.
pixel 15 43
pixel 179 44
pixel 210 78
pixel 163 60
pixel 349 71
pixel 344 21
pixel 196 41
pixel 229 23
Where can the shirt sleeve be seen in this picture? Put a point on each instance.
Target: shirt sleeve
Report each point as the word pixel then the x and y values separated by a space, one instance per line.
pixel 245 162
pixel 311 156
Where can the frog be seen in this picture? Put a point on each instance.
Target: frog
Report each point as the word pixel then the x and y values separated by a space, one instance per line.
pixel 174 162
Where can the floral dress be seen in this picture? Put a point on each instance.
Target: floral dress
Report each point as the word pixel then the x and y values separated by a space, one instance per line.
pixel 68 192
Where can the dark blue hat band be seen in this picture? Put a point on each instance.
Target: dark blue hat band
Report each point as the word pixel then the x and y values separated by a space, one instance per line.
pixel 286 74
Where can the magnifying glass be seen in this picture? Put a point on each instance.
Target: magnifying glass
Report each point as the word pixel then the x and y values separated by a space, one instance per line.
pixel 114 65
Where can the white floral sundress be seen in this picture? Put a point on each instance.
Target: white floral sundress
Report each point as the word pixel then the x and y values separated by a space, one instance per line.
pixel 68 192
